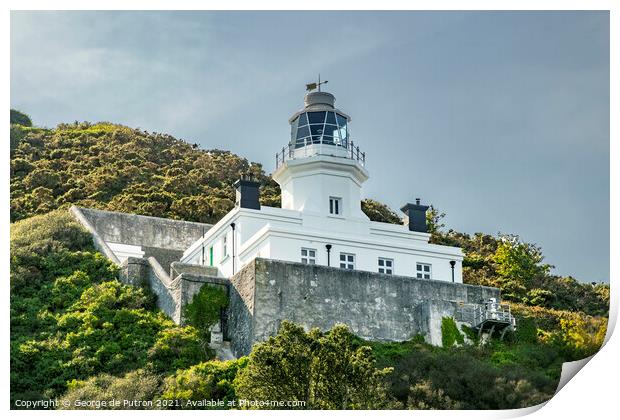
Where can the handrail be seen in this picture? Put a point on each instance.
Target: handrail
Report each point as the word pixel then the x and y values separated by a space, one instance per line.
pixel 478 314
pixel 328 148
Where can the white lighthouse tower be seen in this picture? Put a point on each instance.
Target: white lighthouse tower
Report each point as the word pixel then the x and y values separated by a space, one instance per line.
pixel 321 171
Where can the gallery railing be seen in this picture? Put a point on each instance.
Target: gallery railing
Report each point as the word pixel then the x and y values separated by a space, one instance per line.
pixel 328 148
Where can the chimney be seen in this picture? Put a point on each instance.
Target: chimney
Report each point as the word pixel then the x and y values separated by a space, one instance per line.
pixel 415 216
pixel 247 195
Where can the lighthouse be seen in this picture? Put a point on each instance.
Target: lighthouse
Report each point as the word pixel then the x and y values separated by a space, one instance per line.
pixel 321 171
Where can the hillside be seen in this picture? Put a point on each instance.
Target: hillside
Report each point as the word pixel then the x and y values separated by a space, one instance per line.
pixel 76 331
pixel 113 167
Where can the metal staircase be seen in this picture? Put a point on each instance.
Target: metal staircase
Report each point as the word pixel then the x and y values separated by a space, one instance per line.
pixel 487 317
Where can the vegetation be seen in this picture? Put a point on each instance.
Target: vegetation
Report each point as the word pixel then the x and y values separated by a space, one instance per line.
pixel 517 268
pixel 450 334
pixel 204 310
pixel 379 212
pixel 71 319
pixel 77 333
pixel 325 371
pixel 206 381
pixel 19 118
pixel 113 167
pixel 138 385
pixel 498 375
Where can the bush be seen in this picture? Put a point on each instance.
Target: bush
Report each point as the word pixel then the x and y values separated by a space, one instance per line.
pixel 206 381
pixel 20 118
pixel 470 377
pixel 70 318
pixel 204 310
pixel 378 212
pixel 178 348
pixel 137 385
pixel 450 333
pixel 326 371
pixel 117 168
pixel 422 396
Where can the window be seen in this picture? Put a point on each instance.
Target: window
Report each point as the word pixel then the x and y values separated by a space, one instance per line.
pixel 308 256
pixel 211 256
pixel 347 261
pixel 335 205
pixel 224 247
pixel 423 271
pixel 324 127
pixel 386 265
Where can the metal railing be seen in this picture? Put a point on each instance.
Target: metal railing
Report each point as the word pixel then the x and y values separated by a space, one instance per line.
pixel 478 314
pixel 348 150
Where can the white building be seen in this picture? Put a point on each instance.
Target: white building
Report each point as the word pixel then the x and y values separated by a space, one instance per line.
pixel 321 173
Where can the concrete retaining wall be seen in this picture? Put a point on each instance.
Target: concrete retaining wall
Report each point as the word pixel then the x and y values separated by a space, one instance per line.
pixel 375 306
pixel 146 231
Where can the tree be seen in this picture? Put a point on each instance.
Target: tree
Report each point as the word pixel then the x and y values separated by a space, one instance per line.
pixel 519 264
pixel 327 371
pixel 20 118
pixel 379 212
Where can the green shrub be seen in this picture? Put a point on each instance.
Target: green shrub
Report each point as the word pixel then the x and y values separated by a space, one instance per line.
pixel 450 334
pixel 70 318
pixel 379 212
pixel 326 371
pixel 178 348
pixel 20 118
pixel 422 396
pixel 204 309
pixel 527 331
pixel 137 385
pixel 495 376
pixel 205 381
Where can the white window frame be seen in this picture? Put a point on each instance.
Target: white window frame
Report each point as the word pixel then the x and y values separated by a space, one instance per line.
pixel 421 271
pixel 348 263
pixel 385 265
pixel 224 246
pixel 335 206
pixel 308 256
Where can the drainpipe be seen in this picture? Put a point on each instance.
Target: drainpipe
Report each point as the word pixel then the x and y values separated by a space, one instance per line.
pixel 452 264
pixel 232 225
pixel 329 248
pixel 203 246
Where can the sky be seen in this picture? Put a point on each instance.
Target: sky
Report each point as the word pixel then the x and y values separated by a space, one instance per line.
pixel 498 119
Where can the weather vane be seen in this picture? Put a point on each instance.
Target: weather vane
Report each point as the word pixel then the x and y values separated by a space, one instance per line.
pixel 311 86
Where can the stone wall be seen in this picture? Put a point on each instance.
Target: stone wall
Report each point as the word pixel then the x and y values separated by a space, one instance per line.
pixel 177 268
pixel 167 290
pixel 164 239
pixel 135 271
pixel 375 306
pixel 241 310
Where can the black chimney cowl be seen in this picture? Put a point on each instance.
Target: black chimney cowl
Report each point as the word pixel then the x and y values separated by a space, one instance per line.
pixel 415 216
pixel 247 194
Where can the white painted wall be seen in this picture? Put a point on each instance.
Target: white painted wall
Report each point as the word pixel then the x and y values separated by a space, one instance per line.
pixel 124 251
pixel 280 234
pixel 308 183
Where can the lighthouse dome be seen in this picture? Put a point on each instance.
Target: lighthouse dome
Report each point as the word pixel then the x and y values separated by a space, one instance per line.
pixel 319 122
